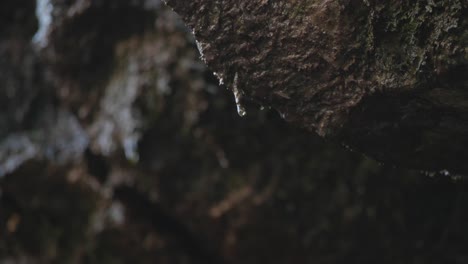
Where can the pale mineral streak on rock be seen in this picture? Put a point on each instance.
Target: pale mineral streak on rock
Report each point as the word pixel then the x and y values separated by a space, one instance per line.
pixel 44 9
pixel 61 139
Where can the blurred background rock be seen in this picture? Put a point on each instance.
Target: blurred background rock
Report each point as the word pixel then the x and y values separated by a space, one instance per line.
pixel 117 145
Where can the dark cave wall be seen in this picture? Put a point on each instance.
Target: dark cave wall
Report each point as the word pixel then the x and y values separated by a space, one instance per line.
pixel 117 145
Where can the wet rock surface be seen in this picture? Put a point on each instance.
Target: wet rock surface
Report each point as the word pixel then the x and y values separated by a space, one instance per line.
pixel 117 145
pixel 386 78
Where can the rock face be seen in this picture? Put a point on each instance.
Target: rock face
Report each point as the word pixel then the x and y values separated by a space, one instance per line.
pixel 118 146
pixel 386 78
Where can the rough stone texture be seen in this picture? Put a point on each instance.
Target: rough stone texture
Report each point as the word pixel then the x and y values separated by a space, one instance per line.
pixel 386 78
pixel 117 146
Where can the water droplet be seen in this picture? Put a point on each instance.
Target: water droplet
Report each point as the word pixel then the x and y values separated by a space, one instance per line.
pixel 238 97
pixel 445 172
pixel 241 111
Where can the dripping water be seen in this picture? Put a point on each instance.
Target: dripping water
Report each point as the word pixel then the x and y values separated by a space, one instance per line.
pixel 238 96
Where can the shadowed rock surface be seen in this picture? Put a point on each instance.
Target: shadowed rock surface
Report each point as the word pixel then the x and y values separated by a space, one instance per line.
pixel 118 146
